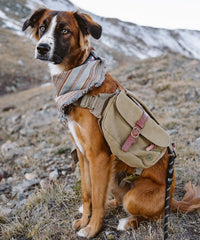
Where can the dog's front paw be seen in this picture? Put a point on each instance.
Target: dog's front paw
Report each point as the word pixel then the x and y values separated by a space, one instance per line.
pixel 87 232
pixel 80 223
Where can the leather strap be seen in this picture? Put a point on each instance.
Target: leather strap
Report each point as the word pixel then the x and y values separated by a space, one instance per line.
pixel 133 136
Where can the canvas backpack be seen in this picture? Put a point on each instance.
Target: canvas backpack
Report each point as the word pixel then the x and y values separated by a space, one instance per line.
pixel 118 117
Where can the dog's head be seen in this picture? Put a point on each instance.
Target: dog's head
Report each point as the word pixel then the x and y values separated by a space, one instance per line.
pixel 60 34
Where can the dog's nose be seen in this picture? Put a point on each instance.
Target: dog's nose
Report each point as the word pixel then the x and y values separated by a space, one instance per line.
pixel 43 48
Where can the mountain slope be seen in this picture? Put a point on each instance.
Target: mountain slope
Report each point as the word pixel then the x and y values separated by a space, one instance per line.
pixel 120 43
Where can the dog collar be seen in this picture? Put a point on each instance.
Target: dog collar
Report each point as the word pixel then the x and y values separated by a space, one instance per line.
pixel 92 57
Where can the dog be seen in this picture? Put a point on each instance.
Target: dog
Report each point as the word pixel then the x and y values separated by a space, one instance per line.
pixel 63 41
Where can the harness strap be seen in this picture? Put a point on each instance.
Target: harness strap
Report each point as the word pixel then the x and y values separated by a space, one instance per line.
pixel 96 103
pixel 132 137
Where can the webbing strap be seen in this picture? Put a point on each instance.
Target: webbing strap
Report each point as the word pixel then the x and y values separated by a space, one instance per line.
pixel 96 103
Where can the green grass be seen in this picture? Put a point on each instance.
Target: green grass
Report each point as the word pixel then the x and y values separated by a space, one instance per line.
pixel 61 151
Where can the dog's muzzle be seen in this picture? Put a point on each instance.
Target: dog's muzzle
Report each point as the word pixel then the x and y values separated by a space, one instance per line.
pixel 45 52
pixel 42 51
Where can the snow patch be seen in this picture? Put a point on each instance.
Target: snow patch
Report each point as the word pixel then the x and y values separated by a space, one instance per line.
pixel 3 15
pixel 20 62
pixel 46 84
pixel 12 24
pixel 52 4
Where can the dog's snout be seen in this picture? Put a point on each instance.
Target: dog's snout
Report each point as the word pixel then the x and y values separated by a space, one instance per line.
pixel 43 48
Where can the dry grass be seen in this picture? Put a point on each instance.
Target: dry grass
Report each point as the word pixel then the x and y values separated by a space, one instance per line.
pixel 48 214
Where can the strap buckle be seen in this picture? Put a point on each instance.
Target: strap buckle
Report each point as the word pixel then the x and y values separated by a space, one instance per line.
pixel 132 137
pixel 135 132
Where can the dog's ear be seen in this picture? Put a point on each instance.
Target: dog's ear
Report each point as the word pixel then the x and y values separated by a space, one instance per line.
pixel 87 25
pixel 34 19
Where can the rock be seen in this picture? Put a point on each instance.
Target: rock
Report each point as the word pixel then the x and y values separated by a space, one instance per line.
pixel 14 129
pixel 43 183
pixel 12 204
pixel 40 118
pixel 30 176
pixel 5 188
pixel 27 131
pixel 10 149
pixel 49 105
pixel 21 197
pixel 19 162
pixel 110 235
pixel 53 175
pixel 3 198
pixel 69 189
pixel 196 144
pixel 172 132
pixel 191 95
pixel 24 186
pixel 10 89
pixel 16 118
pixel 5 211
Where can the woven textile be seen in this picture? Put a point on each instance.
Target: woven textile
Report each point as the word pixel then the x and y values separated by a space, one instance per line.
pixel 73 84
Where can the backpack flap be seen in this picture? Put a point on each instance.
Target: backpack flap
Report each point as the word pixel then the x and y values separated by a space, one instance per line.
pixel 131 112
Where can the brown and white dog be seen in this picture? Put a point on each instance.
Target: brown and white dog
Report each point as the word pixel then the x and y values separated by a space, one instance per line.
pixel 63 41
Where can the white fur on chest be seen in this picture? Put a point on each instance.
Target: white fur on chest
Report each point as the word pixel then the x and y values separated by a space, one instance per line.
pixel 56 69
pixel 71 125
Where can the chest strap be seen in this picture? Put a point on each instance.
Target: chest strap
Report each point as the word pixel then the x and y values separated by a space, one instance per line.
pixel 96 103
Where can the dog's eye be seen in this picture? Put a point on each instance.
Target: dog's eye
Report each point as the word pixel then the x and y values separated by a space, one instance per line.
pixel 42 28
pixel 65 31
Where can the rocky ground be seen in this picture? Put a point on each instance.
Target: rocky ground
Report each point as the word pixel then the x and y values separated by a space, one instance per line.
pixel 40 185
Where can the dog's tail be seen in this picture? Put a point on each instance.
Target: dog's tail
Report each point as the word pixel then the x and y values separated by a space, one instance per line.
pixel 191 200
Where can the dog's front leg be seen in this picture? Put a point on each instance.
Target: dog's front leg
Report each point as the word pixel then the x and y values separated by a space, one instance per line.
pixel 100 170
pixel 86 192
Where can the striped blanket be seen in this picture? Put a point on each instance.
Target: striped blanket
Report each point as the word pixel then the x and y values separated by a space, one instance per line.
pixel 75 83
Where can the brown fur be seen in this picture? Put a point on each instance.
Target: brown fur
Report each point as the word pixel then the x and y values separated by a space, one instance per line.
pixel 145 200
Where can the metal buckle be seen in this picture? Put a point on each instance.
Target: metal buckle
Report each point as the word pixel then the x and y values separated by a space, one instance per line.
pixel 138 132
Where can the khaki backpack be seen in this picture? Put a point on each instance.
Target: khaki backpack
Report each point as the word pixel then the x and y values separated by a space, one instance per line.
pixel 119 120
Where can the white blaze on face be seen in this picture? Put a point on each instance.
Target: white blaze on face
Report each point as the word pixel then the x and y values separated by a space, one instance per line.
pixel 48 37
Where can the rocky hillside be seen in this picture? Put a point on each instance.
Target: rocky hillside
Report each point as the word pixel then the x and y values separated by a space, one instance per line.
pixel 40 187
pixel 120 44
